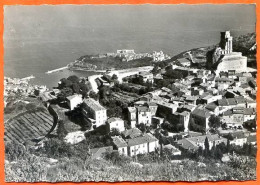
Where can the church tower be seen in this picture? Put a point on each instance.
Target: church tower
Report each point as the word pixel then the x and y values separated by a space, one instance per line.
pixel 226 42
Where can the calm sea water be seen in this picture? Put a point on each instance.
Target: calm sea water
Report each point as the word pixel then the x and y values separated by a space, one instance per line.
pixel 42 38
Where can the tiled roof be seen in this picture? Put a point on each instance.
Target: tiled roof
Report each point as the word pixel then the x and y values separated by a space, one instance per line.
pixel 201 139
pixel 249 111
pixel 74 96
pixel 240 99
pixel 227 113
pixel 223 102
pixel 93 104
pixel 132 133
pixel 151 104
pixel 110 120
pixel 211 106
pixel 172 148
pixel 186 144
pixel 119 141
pixel 145 138
pixel 131 109
pixel 143 109
pixel 231 101
pixel 201 113
pixel 238 135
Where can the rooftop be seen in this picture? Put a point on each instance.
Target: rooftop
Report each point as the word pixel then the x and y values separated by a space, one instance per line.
pixel 93 104
pixel 145 138
pixel 110 120
pixel 119 141
pixel 74 96
pixel 201 113
pixel 132 133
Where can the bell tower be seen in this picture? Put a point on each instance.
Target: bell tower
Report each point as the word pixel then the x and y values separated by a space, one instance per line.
pixel 226 42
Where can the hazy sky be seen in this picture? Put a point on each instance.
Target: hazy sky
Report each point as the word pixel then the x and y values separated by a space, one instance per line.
pixel 79 22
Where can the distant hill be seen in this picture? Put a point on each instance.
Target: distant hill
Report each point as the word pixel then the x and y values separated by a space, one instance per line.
pixel 244 43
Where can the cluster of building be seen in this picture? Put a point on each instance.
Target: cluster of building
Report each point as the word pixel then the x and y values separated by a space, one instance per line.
pixel 129 54
pixel 184 108
pixel 21 87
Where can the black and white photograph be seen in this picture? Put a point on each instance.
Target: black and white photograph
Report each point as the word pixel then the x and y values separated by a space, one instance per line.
pixel 118 93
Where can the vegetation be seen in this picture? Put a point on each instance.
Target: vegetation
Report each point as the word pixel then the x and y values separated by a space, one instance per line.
pixel 89 62
pixel 74 164
pixel 71 85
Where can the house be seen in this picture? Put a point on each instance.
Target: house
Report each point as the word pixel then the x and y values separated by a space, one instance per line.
pixel 174 151
pixel 144 115
pixel 191 99
pixel 143 144
pixel 166 108
pixel 153 107
pixel 234 118
pixel 120 145
pixel 132 116
pixel 237 116
pixel 180 120
pixel 201 117
pixel 241 101
pixel 146 77
pixel 249 114
pixel 193 143
pixel 94 112
pixel 223 83
pixel 239 139
pixel 115 123
pixel 74 100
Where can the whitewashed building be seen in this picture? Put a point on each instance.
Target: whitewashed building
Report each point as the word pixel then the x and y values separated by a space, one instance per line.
pixel 74 100
pixel 116 123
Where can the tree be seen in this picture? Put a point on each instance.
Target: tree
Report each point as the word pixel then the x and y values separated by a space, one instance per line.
pixel 206 145
pixel 64 83
pixel 228 146
pixel 73 79
pixel 114 77
pixel 218 152
pixel 76 88
pixel 94 95
pixel 224 126
pixel 214 122
pixel 65 92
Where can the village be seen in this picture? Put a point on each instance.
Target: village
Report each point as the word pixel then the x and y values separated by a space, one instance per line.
pixel 175 109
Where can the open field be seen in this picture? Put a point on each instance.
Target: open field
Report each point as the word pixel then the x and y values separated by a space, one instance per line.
pixel 28 126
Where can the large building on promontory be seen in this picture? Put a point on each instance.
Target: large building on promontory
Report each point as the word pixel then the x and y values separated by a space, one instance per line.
pixel 226 58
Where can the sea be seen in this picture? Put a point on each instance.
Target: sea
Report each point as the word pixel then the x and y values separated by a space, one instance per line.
pixel 34 44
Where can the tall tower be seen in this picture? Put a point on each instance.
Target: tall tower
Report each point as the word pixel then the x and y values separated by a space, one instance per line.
pixel 226 42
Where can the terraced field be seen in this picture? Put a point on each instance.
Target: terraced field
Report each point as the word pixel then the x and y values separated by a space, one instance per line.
pixel 28 126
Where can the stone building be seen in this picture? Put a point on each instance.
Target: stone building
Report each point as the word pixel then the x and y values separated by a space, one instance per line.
pixel 225 57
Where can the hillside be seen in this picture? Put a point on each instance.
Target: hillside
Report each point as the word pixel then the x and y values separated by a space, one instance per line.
pixel 90 62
